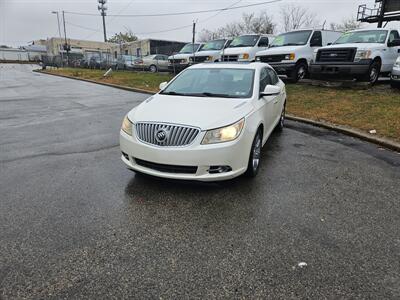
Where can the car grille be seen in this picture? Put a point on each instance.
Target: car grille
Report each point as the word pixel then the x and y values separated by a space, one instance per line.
pixel 200 59
pixel 167 168
pixel 176 61
pixel 175 135
pixel 336 55
pixel 272 58
pixel 229 57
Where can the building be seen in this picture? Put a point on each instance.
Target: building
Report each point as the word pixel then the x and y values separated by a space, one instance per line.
pixel 148 47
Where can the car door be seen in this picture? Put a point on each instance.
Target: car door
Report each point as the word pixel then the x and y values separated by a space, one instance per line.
pixel 392 52
pixel 279 100
pixel 266 103
pixel 162 62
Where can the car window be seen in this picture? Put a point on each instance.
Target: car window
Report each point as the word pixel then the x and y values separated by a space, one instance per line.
pixel 316 39
pixel 363 36
pixel 263 42
pixel 264 79
pixel 274 79
pixel 394 35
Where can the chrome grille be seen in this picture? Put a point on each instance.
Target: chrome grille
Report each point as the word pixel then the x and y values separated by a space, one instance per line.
pixel 229 57
pixel 175 135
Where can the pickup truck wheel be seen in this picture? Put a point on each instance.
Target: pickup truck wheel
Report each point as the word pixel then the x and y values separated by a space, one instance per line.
pixel 373 73
pixel 299 72
pixel 255 155
pixel 153 69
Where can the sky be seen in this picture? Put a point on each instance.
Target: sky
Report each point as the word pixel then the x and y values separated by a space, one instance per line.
pixel 23 21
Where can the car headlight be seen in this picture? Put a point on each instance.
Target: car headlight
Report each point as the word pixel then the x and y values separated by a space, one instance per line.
pixel 244 56
pixel 127 126
pixel 362 54
pixel 290 56
pixel 258 58
pixel 210 58
pixel 223 134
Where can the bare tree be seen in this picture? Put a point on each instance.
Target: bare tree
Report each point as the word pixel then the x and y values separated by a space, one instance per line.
pixel 346 25
pixel 297 17
pixel 250 23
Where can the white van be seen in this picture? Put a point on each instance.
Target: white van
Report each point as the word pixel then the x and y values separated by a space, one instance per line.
pixel 210 51
pixel 180 60
pixel 245 47
pixel 290 53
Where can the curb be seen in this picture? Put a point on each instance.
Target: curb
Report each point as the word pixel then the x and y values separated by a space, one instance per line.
pixel 338 128
pixel 351 132
pixel 97 82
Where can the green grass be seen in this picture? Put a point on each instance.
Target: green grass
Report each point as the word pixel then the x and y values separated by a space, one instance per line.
pixel 374 108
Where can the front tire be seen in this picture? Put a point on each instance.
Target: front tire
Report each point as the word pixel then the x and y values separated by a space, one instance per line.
pixel 373 73
pixel 300 72
pixel 281 123
pixel 153 69
pixel 255 156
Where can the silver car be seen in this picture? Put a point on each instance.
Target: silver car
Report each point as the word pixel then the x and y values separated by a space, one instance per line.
pixel 153 63
pixel 395 77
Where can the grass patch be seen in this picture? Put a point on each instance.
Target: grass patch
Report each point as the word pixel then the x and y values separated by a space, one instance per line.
pixel 140 80
pixel 374 108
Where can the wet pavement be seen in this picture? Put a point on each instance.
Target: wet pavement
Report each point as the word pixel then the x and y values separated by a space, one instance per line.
pixel 75 223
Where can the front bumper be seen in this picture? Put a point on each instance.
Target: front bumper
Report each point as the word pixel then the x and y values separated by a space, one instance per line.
pixel 341 69
pixel 177 67
pixel 283 68
pixel 234 154
pixel 395 76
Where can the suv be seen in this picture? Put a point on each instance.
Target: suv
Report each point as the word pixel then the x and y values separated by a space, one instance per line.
pixel 245 47
pixel 210 51
pixel 362 54
pixel 290 53
pixel 180 61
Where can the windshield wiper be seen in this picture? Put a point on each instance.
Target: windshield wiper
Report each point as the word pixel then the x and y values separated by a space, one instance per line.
pixel 173 93
pixel 208 94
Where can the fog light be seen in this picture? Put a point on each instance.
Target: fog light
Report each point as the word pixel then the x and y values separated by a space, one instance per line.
pixel 219 169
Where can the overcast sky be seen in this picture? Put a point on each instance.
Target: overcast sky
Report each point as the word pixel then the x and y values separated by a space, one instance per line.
pixel 24 21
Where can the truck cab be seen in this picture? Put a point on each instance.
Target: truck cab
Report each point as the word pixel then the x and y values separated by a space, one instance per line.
pixel 363 54
pixel 245 47
pixel 290 53
pixel 180 61
pixel 210 51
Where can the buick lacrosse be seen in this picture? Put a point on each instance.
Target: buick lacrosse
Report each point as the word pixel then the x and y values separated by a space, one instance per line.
pixel 209 123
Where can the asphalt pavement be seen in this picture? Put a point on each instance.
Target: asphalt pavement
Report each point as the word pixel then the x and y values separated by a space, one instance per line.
pixel 321 220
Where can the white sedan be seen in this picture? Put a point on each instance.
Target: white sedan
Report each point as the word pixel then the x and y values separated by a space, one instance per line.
pixel 209 123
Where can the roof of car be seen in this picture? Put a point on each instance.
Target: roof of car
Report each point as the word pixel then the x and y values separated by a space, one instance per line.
pixel 230 65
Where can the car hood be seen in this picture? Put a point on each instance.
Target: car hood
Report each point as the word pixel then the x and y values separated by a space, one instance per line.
pixel 202 112
pixel 361 46
pixel 280 50
pixel 208 53
pixel 238 50
pixel 179 56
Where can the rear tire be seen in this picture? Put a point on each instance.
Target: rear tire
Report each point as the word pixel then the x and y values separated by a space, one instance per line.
pixel 255 156
pixel 153 69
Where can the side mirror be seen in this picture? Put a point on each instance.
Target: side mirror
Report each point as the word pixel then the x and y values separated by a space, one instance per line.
pixel 270 90
pixel 394 43
pixel 163 85
pixel 329 44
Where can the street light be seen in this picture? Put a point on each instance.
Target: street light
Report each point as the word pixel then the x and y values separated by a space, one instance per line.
pixel 102 9
pixel 59 32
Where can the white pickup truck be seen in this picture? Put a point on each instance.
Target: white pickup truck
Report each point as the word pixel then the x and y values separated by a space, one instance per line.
pixel 290 53
pixel 245 47
pixel 363 54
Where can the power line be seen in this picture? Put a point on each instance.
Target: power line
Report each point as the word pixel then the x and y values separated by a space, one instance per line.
pixel 180 13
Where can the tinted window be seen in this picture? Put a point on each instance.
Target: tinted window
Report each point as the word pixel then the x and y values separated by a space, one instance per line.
pixel 263 42
pixel 213 82
pixel 274 79
pixel 394 35
pixel 264 79
pixel 316 39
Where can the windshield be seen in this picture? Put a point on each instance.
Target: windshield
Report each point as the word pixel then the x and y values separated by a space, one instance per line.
pixel 213 82
pixel 188 48
pixel 295 38
pixel 213 45
pixel 244 41
pixel 365 36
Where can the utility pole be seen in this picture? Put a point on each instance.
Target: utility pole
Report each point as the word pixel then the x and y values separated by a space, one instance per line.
pixel 193 39
pixel 66 46
pixel 381 13
pixel 59 33
pixel 102 9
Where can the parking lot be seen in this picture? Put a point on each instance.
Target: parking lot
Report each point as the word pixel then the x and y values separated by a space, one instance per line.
pixel 321 220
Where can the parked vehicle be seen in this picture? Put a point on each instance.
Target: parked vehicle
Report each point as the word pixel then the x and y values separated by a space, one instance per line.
pixel 395 75
pixel 180 61
pixel 245 47
pixel 210 51
pixel 153 63
pixel 94 62
pixel 362 54
pixel 208 123
pixel 126 62
pixel 290 53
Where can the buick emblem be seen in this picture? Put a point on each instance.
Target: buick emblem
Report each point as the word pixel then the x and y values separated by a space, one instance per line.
pixel 161 135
